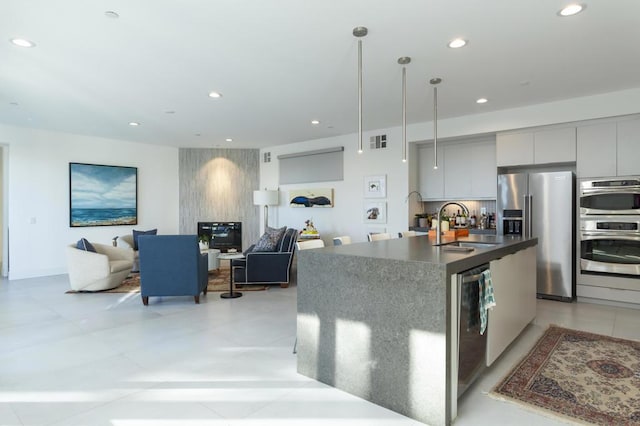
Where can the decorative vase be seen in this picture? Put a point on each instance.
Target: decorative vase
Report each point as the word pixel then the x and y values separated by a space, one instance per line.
pixel 423 222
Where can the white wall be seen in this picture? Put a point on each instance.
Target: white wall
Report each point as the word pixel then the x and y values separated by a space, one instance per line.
pixel 347 216
pixel 38 179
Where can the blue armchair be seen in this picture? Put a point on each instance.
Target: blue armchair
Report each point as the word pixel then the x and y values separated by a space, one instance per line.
pixel 171 265
pixel 267 267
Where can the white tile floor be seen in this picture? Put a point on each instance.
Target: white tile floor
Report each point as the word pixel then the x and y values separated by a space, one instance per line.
pixel 106 360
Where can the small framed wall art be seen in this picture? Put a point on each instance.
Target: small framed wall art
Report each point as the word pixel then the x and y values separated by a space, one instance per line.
pixel 375 186
pixel 316 197
pixel 375 212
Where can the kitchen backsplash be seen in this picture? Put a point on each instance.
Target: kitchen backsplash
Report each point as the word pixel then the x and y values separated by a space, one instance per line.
pixel 472 205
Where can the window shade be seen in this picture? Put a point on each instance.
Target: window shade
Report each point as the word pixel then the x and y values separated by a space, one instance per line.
pixel 312 166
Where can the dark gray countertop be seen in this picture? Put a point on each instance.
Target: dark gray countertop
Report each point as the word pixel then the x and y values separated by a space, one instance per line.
pixel 471 230
pixel 422 249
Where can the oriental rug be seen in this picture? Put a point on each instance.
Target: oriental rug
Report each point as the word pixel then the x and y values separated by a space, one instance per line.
pixel 579 376
pixel 218 281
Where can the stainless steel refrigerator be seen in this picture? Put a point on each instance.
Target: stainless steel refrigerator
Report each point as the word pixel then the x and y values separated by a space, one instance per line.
pixel 542 205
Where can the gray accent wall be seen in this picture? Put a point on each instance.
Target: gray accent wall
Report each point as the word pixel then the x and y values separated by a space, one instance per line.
pixel 218 185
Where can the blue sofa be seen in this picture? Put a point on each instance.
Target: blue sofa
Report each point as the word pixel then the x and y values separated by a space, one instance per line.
pixel 171 265
pixel 267 267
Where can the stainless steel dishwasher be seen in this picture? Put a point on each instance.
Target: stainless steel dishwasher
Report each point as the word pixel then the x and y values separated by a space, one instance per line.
pixel 472 346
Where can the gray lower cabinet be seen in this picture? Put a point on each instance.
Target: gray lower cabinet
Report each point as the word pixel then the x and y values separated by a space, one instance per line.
pixel 514 287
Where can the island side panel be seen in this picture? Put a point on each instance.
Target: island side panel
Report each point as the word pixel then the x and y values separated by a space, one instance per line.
pixel 376 328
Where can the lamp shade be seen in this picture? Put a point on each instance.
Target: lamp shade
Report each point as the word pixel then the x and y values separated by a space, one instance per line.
pixel 265 197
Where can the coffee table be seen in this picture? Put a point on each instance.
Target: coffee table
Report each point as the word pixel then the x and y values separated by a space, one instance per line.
pixel 230 256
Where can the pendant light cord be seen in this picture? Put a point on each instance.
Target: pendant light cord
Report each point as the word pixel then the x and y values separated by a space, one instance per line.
pixel 360 32
pixel 434 82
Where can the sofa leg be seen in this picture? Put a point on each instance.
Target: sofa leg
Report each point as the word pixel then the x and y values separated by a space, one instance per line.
pixel 284 285
pixel 145 300
pixel 204 291
pixel 197 298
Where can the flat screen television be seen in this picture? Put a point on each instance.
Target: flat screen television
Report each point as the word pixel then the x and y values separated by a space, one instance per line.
pixel 222 235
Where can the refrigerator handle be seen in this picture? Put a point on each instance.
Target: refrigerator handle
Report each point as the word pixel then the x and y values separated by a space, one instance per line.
pixel 530 216
pixel 525 215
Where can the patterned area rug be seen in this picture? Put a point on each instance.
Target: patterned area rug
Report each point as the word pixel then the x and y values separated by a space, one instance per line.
pixel 218 281
pixel 580 376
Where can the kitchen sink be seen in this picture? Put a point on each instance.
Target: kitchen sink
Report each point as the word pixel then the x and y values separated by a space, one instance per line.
pixel 473 244
pixel 470 244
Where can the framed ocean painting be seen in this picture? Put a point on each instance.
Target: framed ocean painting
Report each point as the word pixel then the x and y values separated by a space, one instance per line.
pixel 102 195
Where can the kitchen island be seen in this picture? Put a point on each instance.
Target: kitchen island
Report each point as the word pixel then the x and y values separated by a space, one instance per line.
pixel 379 319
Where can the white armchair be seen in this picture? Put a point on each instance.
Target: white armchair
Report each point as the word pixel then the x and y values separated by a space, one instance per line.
pixel 126 242
pixel 103 270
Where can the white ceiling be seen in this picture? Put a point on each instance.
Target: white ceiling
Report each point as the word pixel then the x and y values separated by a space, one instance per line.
pixel 281 63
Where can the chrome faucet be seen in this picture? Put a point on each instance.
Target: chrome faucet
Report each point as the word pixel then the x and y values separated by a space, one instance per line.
pixel 438 235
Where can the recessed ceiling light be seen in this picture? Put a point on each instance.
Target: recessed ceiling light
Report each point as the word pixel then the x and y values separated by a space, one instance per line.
pixel 228 140
pixel 457 42
pixel 198 134
pixel 315 122
pixel 215 95
pixel 134 123
pixel 482 101
pixel 170 112
pixel 111 14
pixel 571 10
pixel 22 42
pixel 13 103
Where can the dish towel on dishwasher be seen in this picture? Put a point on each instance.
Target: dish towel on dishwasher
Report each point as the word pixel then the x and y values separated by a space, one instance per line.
pixel 486 300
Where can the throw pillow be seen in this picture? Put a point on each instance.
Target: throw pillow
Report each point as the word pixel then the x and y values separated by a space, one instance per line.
pixel 270 239
pixel 136 234
pixel 85 245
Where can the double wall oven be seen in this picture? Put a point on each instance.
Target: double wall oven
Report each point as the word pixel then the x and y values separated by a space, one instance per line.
pixel 610 227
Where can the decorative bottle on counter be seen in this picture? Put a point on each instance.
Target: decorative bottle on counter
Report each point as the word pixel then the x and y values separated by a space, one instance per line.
pixel 458 219
pixel 472 220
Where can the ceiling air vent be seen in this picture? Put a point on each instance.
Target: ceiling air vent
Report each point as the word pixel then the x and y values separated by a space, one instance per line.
pixel 266 157
pixel 378 142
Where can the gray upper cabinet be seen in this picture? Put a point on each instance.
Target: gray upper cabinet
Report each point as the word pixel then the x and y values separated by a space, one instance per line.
pixel 467 171
pixel 609 149
pixel 554 146
pixel 457 171
pixel 596 150
pixel 430 180
pixel 628 148
pixel 484 176
pixel 538 147
pixel 514 149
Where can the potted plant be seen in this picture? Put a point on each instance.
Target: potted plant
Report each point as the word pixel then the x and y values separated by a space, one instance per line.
pixel 203 242
pixel 423 220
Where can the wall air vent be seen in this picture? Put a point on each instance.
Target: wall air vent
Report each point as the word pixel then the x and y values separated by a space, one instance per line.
pixel 378 142
pixel 266 157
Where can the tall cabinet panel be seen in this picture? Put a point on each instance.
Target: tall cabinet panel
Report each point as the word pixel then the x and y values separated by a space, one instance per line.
pixel 596 150
pixel 483 174
pixel 629 147
pixel 457 179
pixel 431 182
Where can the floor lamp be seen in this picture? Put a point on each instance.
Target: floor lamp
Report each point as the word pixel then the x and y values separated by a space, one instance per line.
pixel 265 198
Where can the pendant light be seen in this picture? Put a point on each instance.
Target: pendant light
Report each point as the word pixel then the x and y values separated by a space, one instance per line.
pixel 360 32
pixel 434 82
pixel 404 61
